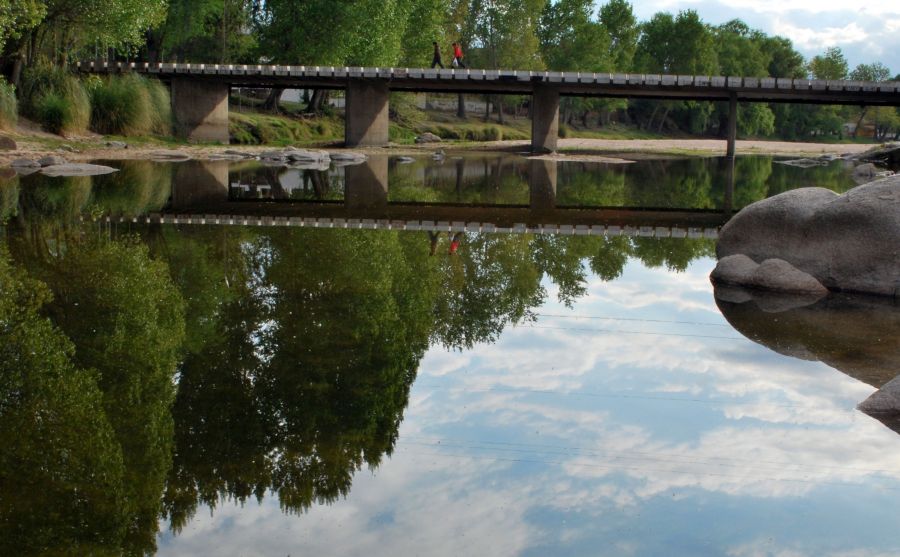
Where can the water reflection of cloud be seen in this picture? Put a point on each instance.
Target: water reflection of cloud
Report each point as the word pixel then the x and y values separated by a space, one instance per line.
pixel 555 438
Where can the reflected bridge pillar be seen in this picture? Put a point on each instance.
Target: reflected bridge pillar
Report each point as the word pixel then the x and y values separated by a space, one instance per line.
pixel 542 176
pixel 366 113
pixel 732 126
pixel 366 186
pixel 199 183
pixel 200 109
pixel 544 118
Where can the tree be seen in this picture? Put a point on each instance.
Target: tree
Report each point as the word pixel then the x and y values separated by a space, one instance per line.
pixel 830 65
pixel 204 31
pixel 783 60
pixel 868 72
pixel 570 40
pixel 618 20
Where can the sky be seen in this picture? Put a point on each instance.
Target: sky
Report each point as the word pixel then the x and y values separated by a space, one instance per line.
pixel 866 31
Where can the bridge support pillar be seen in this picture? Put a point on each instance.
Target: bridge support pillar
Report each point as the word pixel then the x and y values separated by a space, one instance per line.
pixel 366 119
pixel 200 109
pixel 366 187
pixel 544 118
pixel 542 185
pixel 199 184
pixel 732 125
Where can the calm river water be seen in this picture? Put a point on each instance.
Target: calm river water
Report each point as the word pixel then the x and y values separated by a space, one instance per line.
pixel 453 357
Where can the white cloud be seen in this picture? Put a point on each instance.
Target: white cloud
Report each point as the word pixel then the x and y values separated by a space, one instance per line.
pixel 820 39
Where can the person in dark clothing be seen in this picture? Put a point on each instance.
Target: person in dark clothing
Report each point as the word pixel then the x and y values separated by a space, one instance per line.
pixel 458 56
pixel 436 61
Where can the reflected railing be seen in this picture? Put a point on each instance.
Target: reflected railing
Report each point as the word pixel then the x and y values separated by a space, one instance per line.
pixel 209 193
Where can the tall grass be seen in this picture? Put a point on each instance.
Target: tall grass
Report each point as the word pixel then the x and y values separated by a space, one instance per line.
pixel 9 112
pixel 56 99
pixel 131 105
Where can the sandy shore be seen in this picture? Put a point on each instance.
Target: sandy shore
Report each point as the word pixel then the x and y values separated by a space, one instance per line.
pixel 34 144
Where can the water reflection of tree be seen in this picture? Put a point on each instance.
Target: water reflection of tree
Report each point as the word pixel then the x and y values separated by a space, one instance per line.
pixel 124 317
pixel 300 345
pixel 304 376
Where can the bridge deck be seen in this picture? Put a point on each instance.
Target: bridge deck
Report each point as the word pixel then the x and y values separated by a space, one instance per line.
pixel 523 82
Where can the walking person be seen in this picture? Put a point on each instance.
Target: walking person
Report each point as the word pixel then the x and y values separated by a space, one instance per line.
pixel 458 56
pixel 436 61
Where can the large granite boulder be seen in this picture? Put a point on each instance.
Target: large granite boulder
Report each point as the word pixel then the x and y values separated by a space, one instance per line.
pixel 848 242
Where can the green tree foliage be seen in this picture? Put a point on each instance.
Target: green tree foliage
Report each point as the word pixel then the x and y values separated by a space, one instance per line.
pixel 875 71
pixel 205 31
pixel 571 40
pixel 357 32
pixel 18 18
pixel 618 20
pixel 676 45
pixel 784 61
pixel 830 65
pixel 61 468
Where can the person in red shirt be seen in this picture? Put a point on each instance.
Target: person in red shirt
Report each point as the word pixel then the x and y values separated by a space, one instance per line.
pixel 454 242
pixel 458 56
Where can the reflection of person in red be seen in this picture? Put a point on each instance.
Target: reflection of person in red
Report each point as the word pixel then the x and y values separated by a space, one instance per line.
pixel 454 242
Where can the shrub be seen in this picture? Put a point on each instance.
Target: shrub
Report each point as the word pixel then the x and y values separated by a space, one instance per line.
pixel 9 114
pixel 563 130
pixel 56 99
pixel 493 133
pixel 53 111
pixel 121 106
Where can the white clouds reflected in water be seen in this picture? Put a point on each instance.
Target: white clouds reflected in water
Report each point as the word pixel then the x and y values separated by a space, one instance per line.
pixel 562 440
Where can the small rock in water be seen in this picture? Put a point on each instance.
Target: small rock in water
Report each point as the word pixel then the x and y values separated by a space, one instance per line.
pixel 241 154
pixel 68 148
pixel 51 160
pixel 25 163
pixel 169 155
pixel 117 144
pixel 7 144
pixel 348 156
pixel 405 160
pixel 306 155
pixel 311 165
pixel 77 170
pixel 804 163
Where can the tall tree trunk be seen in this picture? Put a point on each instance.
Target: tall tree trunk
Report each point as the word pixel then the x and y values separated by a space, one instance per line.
pixel 272 100
pixel 317 101
pixel 862 115
pixel 487 108
pixel 662 120
pixel 500 111
pixel 649 123
pixel 460 106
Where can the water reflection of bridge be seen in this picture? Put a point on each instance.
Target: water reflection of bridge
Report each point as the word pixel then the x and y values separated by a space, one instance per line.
pixel 202 194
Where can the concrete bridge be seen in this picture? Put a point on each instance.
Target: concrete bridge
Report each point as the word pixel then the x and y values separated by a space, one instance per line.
pixel 203 192
pixel 200 92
